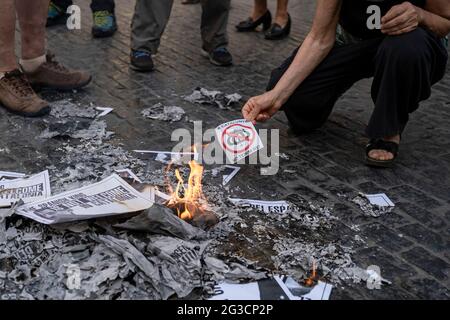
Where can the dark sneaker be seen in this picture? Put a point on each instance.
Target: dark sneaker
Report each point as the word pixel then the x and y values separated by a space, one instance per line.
pixel 56 15
pixel 105 24
pixel 17 96
pixel 141 61
pixel 54 75
pixel 219 56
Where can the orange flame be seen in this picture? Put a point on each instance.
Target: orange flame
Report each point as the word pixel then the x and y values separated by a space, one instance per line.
pixel 311 281
pixel 188 200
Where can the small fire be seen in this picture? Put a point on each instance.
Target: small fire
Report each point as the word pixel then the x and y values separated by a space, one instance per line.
pixel 188 199
pixel 313 278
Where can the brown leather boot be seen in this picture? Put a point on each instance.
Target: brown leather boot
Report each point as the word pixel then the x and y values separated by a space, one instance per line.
pixel 52 74
pixel 17 96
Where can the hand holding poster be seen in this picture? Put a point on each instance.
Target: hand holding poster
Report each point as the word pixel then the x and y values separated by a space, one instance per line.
pixel 108 197
pixel 238 139
pixel 30 189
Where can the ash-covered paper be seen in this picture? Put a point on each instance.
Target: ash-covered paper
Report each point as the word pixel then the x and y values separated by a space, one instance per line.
pixel 214 97
pixel 164 113
pixel 368 209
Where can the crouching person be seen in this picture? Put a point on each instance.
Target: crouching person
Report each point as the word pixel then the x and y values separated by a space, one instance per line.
pixel 405 57
pixel 37 67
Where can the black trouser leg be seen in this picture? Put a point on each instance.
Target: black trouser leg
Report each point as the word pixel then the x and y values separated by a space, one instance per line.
pixel 311 104
pixel 406 66
pixel 63 4
pixel 102 5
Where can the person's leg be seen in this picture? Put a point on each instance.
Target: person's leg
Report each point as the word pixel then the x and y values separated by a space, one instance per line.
pixel 282 16
pixel 8 61
pixel 214 23
pixel 406 66
pixel 102 5
pixel 40 67
pixel 16 94
pixel 63 4
pixel 32 19
pixel 311 104
pixel 148 24
pixel 259 9
pixel 214 31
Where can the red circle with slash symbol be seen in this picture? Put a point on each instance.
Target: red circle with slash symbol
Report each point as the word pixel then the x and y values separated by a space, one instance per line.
pixel 238 135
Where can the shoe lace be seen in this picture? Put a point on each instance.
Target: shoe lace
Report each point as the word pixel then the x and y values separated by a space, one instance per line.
pixel 141 54
pixel 102 18
pixel 55 65
pixel 221 51
pixel 54 9
pixel 19 83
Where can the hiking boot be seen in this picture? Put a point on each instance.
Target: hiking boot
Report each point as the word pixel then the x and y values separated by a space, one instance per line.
pixel 105 24
pixel 54 75
pixel 56 15
pixel 219 56
pixel 17 96
pixel 141 61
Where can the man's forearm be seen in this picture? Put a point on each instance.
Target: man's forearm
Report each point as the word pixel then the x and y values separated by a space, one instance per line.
pixel 437 24
pixel 310 55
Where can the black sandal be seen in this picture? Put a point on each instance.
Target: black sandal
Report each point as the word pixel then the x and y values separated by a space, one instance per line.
pixel 379 144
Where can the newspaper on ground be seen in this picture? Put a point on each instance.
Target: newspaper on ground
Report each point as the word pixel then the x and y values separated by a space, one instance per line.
pixel 273 288
pixel 264 206
pixel 111 196
pixel 238 139
pixel 380 199
pixel 6 175
pixel 103 111
pixel 34 188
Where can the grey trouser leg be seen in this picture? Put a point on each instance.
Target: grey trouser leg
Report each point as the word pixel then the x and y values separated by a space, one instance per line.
pixel 149 21
pixel 151 17
pixel 214 23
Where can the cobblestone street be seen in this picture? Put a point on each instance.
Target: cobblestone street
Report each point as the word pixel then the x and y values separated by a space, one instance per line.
pixel 410 245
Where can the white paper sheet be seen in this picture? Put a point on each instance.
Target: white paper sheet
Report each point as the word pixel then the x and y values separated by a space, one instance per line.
pixel 167 157
pixel 274 288
pixel 11 175
pixel 238 139
pixel 111 196
pixel 380 199
pixel 263 206
pixel 104 111
pixel 34 188
pixel 231 171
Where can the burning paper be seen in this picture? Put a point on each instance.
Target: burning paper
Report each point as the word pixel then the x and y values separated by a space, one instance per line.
pixel 264 206
pixel 238 139
pixel 275 288
pixel 10 175
pixel 31 189
pixel 111 196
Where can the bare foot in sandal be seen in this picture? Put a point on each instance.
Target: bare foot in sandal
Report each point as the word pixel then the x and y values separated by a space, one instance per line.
pixel 382 152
